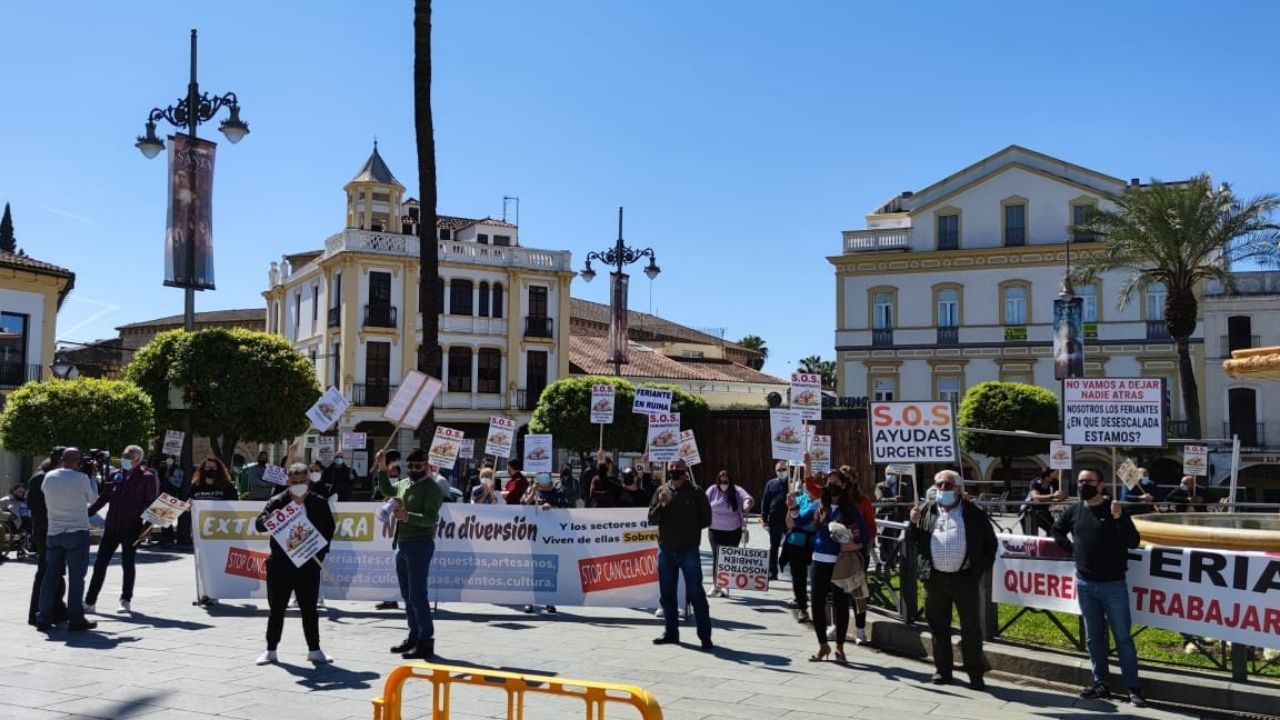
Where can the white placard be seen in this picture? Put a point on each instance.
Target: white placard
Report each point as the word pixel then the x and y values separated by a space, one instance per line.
pixel 1129 474
pixel 689 449
pixel 1059 455
pixel 295 534
pixel 354 440
pixel 820 453
pixel 538 454
pixel 806 394
pixel 651 400
pixel 445 445
pixel 1195 460
pixel 912 432
pixel 786 435
pixel 602 404
pixel 165 510
pixel 327 410
pixel 742 568
pixel 467 450
pixel 173 442
pixel 413 399
pixel 325 447
pixel 900 470
pixel 502 433
pixel 663 439
pixel 275 475
pixel 1105 412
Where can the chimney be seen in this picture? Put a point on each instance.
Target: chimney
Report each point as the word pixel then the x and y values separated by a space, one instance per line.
pixel 1135 182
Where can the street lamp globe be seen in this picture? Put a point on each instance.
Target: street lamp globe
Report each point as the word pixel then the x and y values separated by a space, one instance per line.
pixel 62 368
pixel 652 269
pixel 587 273
pixel 150 145
pixel 233 127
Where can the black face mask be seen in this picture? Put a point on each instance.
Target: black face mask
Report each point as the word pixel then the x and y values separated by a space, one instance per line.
pixel 1088 492
pixel 831 494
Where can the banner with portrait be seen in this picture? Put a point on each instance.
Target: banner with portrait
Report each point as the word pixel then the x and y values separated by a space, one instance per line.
pixel 188 247
pixel 1068 338
pixel 618 318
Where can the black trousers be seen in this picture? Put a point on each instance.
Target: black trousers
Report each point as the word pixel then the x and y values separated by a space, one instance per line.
pixel 285 580
pixel 775 544
pixel 128 556
pixel 59 605
pixel 840 599
pixel 732 538
pixel 943 591
pixel 799 558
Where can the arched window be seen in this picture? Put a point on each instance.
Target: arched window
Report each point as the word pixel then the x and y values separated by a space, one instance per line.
pixel 497 300
pixel 483 310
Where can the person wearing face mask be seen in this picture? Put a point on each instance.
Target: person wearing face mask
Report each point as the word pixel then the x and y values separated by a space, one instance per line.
pixel 211 482
pixel 517 484
pixel 605 489
pixel 956 546
pixel 1099 535
pixel 681 511
pixel 417 513
pixel 545 495
pixel 835 509
pixel 284 579
pixel 393 472
pixel 729 507
pixel 129 491
pixel 341 478
pixel 773 513
pixel 1189 496
pixel 483 493
pixel 252 484
pixel 633 494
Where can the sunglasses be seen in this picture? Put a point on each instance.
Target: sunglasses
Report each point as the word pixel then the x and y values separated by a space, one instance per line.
pixel 417 466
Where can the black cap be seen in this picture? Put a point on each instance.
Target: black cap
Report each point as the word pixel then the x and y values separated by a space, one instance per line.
pixel 56 454
pixel 393 455
pixel 417 456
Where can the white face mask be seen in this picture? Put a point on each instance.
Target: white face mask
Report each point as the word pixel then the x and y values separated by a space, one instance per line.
pixel 337 461
pixel 126 464
pixel 488 482
pixel 298 490
pixel 782 474
pixel 313 476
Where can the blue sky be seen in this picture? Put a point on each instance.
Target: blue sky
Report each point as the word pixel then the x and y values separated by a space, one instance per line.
pixel 741 137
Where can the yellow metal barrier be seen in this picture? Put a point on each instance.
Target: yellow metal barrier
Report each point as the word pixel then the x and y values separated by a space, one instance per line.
pixel 594 695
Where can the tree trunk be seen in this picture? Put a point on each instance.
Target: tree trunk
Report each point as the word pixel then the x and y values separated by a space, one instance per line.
pixel 224 448
pixel 1190 393
pixel 429 257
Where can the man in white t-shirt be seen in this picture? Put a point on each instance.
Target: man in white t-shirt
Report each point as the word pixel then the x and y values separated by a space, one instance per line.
pixel 68 494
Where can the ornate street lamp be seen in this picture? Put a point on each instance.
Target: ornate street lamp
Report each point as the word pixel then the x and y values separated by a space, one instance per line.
pixel 619 256
pixel 63 368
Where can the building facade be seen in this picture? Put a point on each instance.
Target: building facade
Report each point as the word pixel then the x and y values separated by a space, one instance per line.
pixel 954 285
pixel 351 307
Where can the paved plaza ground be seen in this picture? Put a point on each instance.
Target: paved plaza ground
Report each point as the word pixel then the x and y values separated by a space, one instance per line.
pixel 173 661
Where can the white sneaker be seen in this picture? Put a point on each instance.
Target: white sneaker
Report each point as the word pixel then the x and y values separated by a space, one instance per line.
pixel 318 657
pixel 124 608
pixel 320 602
pixel 724 592
pixel 267 657
pixel 658 613
pixel 90 609
pixel 860 637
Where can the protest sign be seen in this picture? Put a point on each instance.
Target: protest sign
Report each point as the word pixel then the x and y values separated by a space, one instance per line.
pixel 1195 460
pixel 445 445
pixel 354 440
pixel 1059 455
pixel 820 453
pixel 164 511
pixel 806 394
pixel 786 434
pixel 1223 594
pixel 1113 411
pixel 275 475
pixel 912 432
pixel 173 442
pixel 742 568
pixel 651 400
pixel 1129 474
pixel 900 470
pixel 663 439
pixel 538 454
pixel 295 534
pixel 467 450
pixel 325 447
pixel 415 396
pixel 327 410
pixel 502 431
pixel 689 449
pixel 602 402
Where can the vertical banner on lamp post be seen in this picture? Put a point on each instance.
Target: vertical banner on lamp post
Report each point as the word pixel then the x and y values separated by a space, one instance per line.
pixel 1068 338
pixel 618 318
pixel 189 228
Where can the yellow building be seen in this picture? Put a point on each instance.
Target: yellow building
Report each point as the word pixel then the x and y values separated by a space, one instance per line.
pixel 351 306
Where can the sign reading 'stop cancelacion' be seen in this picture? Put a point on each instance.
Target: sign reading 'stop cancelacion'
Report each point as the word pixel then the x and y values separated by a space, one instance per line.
pixel 913 432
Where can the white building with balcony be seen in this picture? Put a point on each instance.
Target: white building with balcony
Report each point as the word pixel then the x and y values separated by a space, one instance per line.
pixel 352 308
pixel 954 284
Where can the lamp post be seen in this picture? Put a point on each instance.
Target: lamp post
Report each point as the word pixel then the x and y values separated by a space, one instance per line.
pixel 188 114
pixel 619 256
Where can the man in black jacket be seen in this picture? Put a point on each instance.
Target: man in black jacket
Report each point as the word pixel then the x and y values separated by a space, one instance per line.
pixel 39 531
pixel 1101 535
pixel 773 512
pixel 681 511
pixel 956 547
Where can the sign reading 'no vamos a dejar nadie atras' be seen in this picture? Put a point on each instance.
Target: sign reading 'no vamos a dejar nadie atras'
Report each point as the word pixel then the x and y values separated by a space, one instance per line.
pixel 1113 411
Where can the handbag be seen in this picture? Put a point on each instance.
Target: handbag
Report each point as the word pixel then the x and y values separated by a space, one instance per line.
pixel 850 576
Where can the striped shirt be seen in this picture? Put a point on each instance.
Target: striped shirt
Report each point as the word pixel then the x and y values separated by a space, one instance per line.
pixel 947 545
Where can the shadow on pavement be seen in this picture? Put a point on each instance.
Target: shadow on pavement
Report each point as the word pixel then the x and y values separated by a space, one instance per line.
pixel 159 622
pixel 329 677
pixel 95 640
pixel 744 657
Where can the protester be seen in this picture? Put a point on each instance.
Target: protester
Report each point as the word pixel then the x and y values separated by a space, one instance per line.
pixel 832 512
pixel 212 482
pixel 729 507
pixel 773 513
pixel 39 534
pixel 545 495
pixel 129 492
pixel 67 496
pixel 868 511
pixel 341 477
pixel 605 489
pixel 681 511
pixel 253 485
pixel 517 484
pixel 284 579
pixel 417 512
pixel 15 503
pixel 1189 496
pixel 484 494
pixel 1101 533
pixel 570 487
pixel 799 541
pixel 1044 490
pixel 633 493
pixel 446 487
pixel 956 546
pixel 392 463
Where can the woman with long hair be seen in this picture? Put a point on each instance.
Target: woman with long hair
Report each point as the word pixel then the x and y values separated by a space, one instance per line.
pixel 863 505
pixel 212 481
pixel 839 529
pixel 729 506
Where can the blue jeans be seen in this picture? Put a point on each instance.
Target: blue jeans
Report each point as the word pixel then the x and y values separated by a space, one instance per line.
pixel 71 549
pixel 671 564
pixel 413 566
pixel 1106 603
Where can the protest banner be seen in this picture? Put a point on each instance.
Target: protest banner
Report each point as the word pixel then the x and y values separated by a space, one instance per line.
pixel 503 554
pixel 900 470
pixel 651 400
pixel 663 438
pixel 689 449
pixel 1059 455
pixel 325 448
pixel 1222 594
pixel 275 475
pixel 912 432
pixel 602 404
pixel 502 432
pixel 538 454
pixel 164 511
pixel 1195 460
pixel 173 442
pixel 327 410
pixel 1103 412
pixel 1129 474
pixel 295 534
pixel 820 453
pixel 445 445
pixel 786 434
pixel 354 440
pixel 806 394
pixel 413 399
pixel 742 568
pixel 467 450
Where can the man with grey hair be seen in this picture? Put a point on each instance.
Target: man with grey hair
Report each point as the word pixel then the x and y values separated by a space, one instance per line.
pixel 956 546
pixel 129 491
pixel 67 494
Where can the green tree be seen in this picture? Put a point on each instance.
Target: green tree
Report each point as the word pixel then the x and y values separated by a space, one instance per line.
pixel 1181 235
pixel 428 251
pixel 240 385
pixel 755 342
pixel 1010 407
pixel 564 410
pixel 825 368
pixel 7 241
pixel 86 413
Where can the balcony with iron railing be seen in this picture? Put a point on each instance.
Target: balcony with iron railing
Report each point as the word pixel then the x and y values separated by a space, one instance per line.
pixel 949 335
pixel 1177 429
pixel 539 327
pixel 1158 330
pixel 14 375
pixel 1231 343
pixel 335 317
pixel 384 316
pixel 372 394
pixel 882 337
pixel 527 400
pixel 879 240
pixel 1252 435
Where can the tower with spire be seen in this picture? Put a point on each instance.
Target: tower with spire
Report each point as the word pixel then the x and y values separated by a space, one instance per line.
pixel 373 197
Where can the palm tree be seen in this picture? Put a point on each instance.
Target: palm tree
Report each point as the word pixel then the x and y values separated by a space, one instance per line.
pixel 1180 235
pixel 755 342
pixel 825 368
pixel 428 251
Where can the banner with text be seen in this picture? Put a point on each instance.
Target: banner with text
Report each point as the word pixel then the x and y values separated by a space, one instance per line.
pixel 820 453
pixel 602 400
pixel 913 432
pixel 806 394
pixel 502 431
pixel 786 435
pixel 651 400
pixel 689 449
pixel 538 453
pixel 1113 411
pixel 663 440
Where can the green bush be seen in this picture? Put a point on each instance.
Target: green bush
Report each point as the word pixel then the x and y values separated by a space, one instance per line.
pixel 86 413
